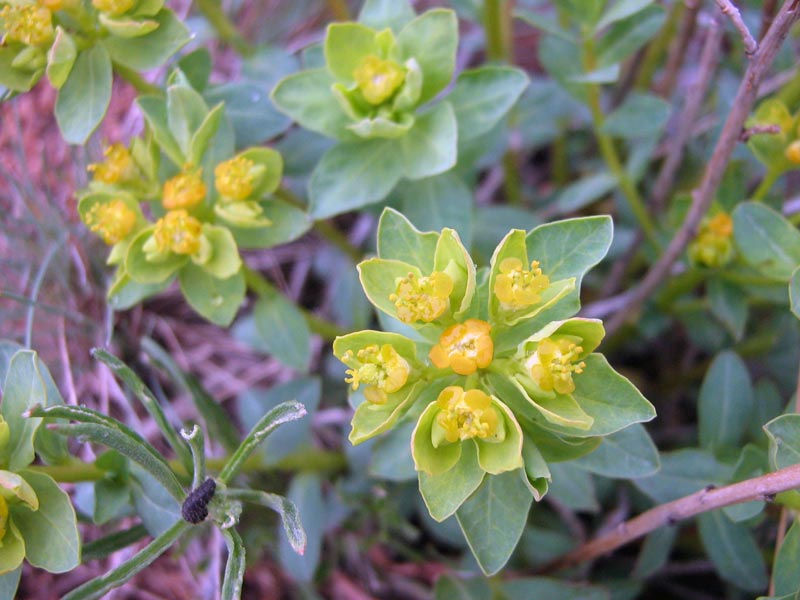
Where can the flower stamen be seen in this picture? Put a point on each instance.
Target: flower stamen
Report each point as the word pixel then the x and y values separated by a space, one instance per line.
pixel 554 363
pixel 422 298
pixel 516 287
pixel 464 347
pixel 380 368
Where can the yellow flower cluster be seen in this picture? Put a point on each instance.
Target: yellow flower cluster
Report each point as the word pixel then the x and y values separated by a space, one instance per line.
pixel 517 287
pixel 112 221
pixel 380 368
pixel 30 24
pixel 178 232
pixel 378 79
pixel 117 167
pixel 422 298
pixel 554 363
pixel 466 414
pixel 235 178
pixel 713 246
pixel 464 347
pixel 185 190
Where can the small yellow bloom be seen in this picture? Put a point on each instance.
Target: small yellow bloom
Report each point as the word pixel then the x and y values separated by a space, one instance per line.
pixel 186 190
pixel 517 287
pixel 554 363
pixel 380 368
pixel 112 221
pixel 422 299
pixel 3 518
pixel 466 414
pixel 792 152
pixel 118 165
pixel 178 232
pixel 378 79
pixel 235 178
pixel 29 24
pixel 713 246
pixel 114 8
pixel 464 347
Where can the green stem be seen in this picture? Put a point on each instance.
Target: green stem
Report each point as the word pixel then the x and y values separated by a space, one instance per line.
pixel 226 30
pixel 658 48
pixel 259 284
pixel 139 83
pixel 325 228
pixel 609 151
pixel 766 184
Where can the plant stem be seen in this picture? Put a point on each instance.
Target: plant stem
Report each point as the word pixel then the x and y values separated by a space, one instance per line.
pixel 609 151
pixel 325 228
pixel 139 83
pixel 658 48
pixel 259 284
pixel 766 184
pixel 226 30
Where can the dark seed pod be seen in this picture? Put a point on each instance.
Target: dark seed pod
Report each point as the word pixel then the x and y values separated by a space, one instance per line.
pixel 195 507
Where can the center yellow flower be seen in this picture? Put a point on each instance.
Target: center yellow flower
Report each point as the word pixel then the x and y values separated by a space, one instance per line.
pixel 378 79
pixel 178 232
pixel 112 221
pixel 235 178
pixel 464 347
pixel 422 298
pixel 713 246
pixel 29 24
pixel 186 190
pixel 117 166
pixel 517 287
pixel 380 368
pixel 553 364
pixel 114 8
pixel 466 414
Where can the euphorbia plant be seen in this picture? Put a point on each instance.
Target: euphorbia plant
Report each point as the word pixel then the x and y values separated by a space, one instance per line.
pixel 499 380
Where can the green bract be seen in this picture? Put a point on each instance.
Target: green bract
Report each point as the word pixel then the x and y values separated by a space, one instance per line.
pixel 496 375
pixel 375 95
pixel 75 44
pixel 779 150
pixel 37 521
pixel 207 202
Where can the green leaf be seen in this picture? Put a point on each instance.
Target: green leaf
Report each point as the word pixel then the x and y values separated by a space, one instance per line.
pixel 60 58
pixel 352 175
pixel 14 79
pixel 733 550
pixel 585 12
pixel 429 148
pixel 305 492
pixel 83 99
pixel 12 552
pixel 545 23
pixel 446 492
pixel 51 534
pixel 607 74
pixel 450 587
pixel 570 247
pixel 573 487
pixel 283 413
pixel 621 9
pixel 224 261
pixel 683 472
pixel 127 28
pixel 154 109
pixel 9 582
pixel 784 440
pixel 642 115
pixel 398 239
pixel 626 36
pixel 770 149
pixel 346 45
pixel 218 300
pixel 527 588
pixel 250 110
pixel 766 240
pixel 725 404
pixel 794 293
pixel 143 271
pixel 728 304
pixel 100 429
pixel 370 419
pixel 785 574
pixel 390 458
pixel 655 552
pixel 283 329
pixel 584 192
pixel 98 587
pixel 186 110
pixel 306 97
pixel 627 454
pixel 287 224
pixel 481 97
pixel 437 202
pixel 432 39
pixel 148 401
pixel 152 50
pixel 380 14
pixel 234 567
pixel 157 509
pixel 493 518
pixel 204 133
pixel 286 509
pixel 23 388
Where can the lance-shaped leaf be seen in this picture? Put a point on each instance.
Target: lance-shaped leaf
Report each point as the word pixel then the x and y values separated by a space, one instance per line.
pixel 446 492
pixel 452 257
pixel 23 388
pixel 100 429
pixel 234 568
pixel 766 240
pixel 398 239
pixel 290 516
pixel 283 413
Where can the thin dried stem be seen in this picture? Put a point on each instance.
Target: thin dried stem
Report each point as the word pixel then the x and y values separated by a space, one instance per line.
pixel 764 488
pixel 729 137
pixel 729 9
pixel 759 130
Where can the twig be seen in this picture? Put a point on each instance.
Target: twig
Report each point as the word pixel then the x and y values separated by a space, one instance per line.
pixel 758 130
pixel 709 58
pixel 728 139
pixel 765 488
pixel 677 50
pixel 767 15
pixel 729 9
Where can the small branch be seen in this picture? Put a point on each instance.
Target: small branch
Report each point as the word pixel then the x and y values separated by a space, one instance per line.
pixel 728 139
pixel 677 50
pixel 765 488
pixel 767 15
pixel 758 130
pixel 729 9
